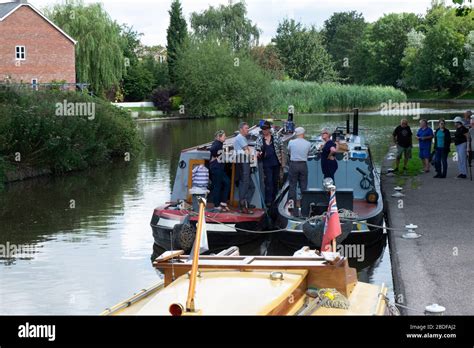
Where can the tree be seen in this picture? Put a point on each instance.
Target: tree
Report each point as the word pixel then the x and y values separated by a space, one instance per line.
pixel 215 81
pixel 302 53
pixel 341 34
pixel 228 23
pixel 413 72
pixel 267 58
pixel 439 60
pixel 176 37
pixel 138 84
pixel 131 44
pixel 469 62
pixel 378 55
pixel 99 49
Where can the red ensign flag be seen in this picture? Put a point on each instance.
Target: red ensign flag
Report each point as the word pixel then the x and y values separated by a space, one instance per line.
pixel 332 224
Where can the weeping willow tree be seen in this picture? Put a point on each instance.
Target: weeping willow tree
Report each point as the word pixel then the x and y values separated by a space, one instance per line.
pixel 99 49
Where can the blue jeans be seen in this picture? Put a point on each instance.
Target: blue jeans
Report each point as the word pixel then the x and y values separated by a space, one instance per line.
pixel 462 158
pixel 221 186
pixel 441 161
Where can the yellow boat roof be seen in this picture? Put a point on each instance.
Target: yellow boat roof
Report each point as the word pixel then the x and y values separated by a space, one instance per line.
pixel 229 293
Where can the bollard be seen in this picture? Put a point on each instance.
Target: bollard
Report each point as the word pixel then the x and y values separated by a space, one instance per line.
pixel 434 309
pixel 411 234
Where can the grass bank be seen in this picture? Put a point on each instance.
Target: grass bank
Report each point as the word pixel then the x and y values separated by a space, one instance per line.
pixel 48 131
pixel 309 97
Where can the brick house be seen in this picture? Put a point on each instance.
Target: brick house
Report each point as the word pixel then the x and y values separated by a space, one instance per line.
pixel 32 48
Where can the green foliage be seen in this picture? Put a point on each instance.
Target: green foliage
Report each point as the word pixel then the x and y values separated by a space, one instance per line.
pixel 342 32
pixel 267 58
pixel 310 97
pixel 159 71
pixel 379 53
pixel 227 22
pixel 29 126
pixel 176 102
pixel 138 83
pixel 303 54
pixel 177 34
pixel 214 81
pixel 99 49
pixel 439 58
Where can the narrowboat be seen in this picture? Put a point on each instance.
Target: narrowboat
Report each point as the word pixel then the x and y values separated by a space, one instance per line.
pixel 174 223
pixel 358 195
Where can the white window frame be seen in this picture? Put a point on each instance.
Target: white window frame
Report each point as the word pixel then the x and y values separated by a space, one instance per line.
pixel 18 50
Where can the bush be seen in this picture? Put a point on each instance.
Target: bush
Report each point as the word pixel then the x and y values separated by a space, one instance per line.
pixel 214 81
pixel 31 127
pixel 161 98
pixel 309 97
pixel 176 102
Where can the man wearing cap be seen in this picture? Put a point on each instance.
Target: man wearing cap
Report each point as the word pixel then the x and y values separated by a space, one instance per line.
pixel 269 149
pixel 298 149
pixel 460 140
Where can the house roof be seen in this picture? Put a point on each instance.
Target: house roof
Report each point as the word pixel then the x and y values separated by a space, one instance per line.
pixel 7 8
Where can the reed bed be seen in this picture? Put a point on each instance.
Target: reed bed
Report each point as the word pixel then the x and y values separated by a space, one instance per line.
pixel 311 97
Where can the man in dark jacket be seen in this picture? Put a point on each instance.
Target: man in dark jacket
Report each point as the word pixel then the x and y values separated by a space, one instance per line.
pixel 402 136
pixel 442 144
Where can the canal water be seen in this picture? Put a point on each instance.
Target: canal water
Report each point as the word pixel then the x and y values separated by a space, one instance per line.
pixel 81 242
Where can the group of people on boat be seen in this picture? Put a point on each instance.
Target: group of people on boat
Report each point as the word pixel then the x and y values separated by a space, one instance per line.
pixel 274 161
pixel 434 146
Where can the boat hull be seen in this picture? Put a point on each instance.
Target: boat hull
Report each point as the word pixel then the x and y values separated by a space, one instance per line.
pixel 167 231
pixel 296 239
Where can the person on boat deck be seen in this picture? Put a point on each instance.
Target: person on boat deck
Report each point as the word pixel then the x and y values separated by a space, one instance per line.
pixel 246 185
pixel 220 180
pixel 298 150
pixel 460 140
pixel 328 155
pixel 442 144
pixel 424 136
pixel 402 135
pixel 269 149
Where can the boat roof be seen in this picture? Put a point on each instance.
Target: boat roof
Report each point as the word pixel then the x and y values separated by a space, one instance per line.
pixel 229 293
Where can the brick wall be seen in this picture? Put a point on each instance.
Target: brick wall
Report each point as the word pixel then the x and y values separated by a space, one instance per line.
pixel 49 54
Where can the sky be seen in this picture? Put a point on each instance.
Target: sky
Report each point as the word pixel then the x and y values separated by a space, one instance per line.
pixel 151 17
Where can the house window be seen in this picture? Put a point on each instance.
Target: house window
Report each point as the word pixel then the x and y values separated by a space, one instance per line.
pixel 20 52
pixel 34 84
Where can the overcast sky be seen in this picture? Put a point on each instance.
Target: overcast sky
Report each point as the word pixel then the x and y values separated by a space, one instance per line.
pixel 151 18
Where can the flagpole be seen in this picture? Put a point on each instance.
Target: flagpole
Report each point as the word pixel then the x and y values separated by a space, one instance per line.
pixel 333 191
pixel 192 278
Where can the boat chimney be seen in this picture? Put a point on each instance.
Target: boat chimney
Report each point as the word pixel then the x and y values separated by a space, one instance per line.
pixel 355 126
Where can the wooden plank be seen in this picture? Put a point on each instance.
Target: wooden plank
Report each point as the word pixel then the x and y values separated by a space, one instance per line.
pixel 168 255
